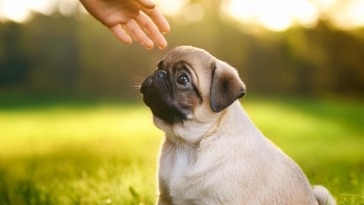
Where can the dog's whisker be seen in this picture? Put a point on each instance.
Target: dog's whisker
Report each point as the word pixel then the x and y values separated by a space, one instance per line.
pixel 138 82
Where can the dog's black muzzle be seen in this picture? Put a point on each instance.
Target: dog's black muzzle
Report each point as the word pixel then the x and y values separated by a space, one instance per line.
pixel 147 84
pixel 158 96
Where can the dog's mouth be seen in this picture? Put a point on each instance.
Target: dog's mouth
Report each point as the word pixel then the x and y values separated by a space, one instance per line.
pixel 156 95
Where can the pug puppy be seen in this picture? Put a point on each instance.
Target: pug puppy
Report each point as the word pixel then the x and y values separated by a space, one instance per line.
pixel 213 153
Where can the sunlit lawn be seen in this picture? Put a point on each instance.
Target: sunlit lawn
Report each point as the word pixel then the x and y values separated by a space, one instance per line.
pixel 105 153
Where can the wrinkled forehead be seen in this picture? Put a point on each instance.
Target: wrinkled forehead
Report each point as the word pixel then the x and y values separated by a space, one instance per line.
pixel 188 53
pixel 198 61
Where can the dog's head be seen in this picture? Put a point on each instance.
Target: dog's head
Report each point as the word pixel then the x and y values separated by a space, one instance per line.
pixel 189 83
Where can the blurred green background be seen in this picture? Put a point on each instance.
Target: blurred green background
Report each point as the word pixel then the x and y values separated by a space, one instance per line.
pixel 73 129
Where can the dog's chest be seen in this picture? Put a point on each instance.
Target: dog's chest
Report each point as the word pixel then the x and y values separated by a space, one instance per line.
pixel 175 162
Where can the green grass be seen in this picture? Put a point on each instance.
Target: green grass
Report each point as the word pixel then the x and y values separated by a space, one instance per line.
pixel 105 153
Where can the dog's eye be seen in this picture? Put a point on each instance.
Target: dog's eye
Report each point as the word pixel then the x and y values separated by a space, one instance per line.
pixel 183 79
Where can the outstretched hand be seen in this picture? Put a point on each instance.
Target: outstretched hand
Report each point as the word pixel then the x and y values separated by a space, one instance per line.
pixel 131 19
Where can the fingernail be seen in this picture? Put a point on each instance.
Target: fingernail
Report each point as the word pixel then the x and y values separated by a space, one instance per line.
pixel 166 28
pixel 149 46
pixel 163 46
pixel 163 43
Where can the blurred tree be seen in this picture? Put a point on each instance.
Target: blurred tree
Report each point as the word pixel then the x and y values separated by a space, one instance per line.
pixel 13 60
pixel 342 56
pixel 53 48
pixel 78 56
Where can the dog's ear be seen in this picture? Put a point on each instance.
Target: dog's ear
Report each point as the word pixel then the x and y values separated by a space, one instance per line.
pixel 226 86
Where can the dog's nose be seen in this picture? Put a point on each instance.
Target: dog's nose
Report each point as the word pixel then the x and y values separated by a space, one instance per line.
pixel 146 84
pixel 160 73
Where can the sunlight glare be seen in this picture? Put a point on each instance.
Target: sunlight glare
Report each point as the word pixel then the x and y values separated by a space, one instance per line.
pixel 242 10
pixel 350 15
pixel 305 13
pixel 68 7
pixel 356 12
pixel 325 5
pixel 20 10
pixel 171 7
pixel 274 15
pixel 43 6
pixel 193 12
pixel 16 10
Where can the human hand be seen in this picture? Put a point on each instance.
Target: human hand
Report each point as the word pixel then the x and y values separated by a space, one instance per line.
pixel 131 19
